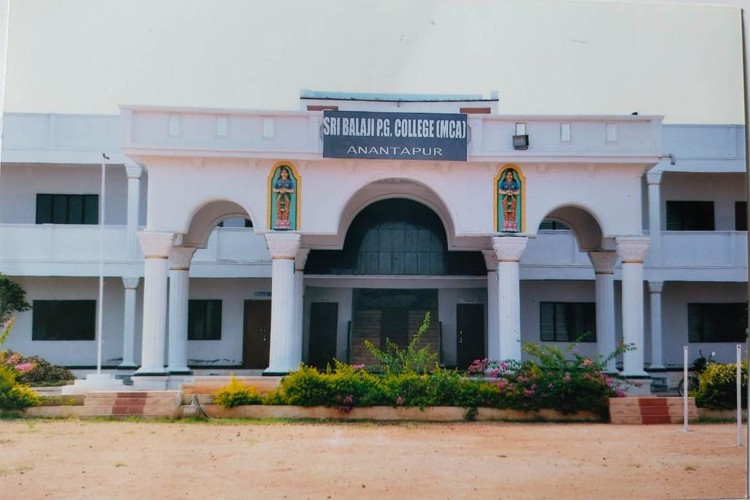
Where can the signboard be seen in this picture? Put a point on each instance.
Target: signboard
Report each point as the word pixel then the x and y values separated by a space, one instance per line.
pixel 395 136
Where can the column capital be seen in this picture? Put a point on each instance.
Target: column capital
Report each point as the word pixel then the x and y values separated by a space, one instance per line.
pixel 509 248
pixel 130 283
pixel 603 261
pixel 654 177
pixel 156 244
pixel 133 170
pixel 632 249
pixel 490 260
pixel 655 286
pixel 283 245
pixel 180 257
pixel 301 259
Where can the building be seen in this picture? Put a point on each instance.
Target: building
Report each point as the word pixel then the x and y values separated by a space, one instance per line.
pixel 255 240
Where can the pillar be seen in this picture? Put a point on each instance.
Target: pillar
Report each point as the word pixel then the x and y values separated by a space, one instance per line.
pixel 653 178
pixel 179 271
pixel 128 327
pixel 509 250
pixel 606 343
pixel 134 173
pixel 299 304
pixel 493 302
pixel 283 247
pixel 654 289
pixel 632 251
pixel 156 247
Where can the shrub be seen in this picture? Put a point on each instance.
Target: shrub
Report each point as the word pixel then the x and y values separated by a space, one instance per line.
pixel 307 387
pixel 235 393
pixel 42 372
pixel 395 360
pixel 14 396
pixel 717 386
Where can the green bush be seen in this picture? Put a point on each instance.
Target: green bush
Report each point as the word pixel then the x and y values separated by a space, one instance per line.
pixel 717 386
pixel 307 387
pixel 43 373
pixel 395 360
pixel 236 394
pixel 15 396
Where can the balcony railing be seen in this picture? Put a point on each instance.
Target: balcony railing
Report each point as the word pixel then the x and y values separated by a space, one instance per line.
pixel 41 249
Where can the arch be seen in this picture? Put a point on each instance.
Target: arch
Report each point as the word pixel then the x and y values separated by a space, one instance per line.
pixel 395 187
pixel 205 218
pixel 396 237
pixel 584 224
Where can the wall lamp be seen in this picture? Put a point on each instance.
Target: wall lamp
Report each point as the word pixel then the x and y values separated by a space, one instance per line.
pixel 521 138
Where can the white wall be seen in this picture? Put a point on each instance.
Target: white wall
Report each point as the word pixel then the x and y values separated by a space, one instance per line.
pixel 75 353
pixel 721 188
pixel 233 293
pixel 19 185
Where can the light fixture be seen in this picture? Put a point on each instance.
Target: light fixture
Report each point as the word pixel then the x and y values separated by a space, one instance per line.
pixel 521 138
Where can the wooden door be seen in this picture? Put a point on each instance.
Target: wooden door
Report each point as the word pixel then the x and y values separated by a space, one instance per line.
pixel 323 331
pixel 469 334
pixel 257 337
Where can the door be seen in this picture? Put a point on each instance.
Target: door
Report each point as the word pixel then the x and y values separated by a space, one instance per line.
pixel 323 322
pixel 257 337
pixel 469 334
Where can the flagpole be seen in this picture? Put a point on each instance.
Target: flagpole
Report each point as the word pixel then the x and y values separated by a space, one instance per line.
pixel 100 314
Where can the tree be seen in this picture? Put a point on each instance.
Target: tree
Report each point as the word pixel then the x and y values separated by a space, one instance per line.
pixel 12 299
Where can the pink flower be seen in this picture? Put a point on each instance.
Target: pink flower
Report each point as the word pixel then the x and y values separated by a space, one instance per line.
pixel 502 384
pixel 587 362
pixel 358 367
pixel 24 367
pixel 566 378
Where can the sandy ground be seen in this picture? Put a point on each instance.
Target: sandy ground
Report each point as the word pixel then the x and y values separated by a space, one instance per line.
pixel 73 459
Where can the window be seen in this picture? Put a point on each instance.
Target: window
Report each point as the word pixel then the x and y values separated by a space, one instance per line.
pixel 740 216
pixel 717 322
pixel 553 225
pixel 567 321
pixel 63 320
pixel 690 216
pixel 204 320
pixel 67 208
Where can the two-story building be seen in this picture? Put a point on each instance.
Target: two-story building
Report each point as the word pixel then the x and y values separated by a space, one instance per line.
pixel 256 240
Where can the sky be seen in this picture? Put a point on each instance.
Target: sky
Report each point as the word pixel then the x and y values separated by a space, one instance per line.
pixel 541 56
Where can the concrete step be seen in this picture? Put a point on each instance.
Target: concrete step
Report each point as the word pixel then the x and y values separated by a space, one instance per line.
pixel 650 410
pixel 132 403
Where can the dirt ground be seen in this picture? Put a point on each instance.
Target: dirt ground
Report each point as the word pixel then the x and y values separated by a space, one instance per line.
pixel 73 459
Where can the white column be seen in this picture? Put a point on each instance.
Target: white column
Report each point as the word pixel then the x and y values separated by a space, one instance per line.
pixel 283 248
pixel 128 327
pixel 632 251
pixel 655 288
pixel 606 343
pixel 654 213
pixel 179 271
pixel 493 302
pixel 156 247
pixel 509 250
pixel 134 173
pixel 299 304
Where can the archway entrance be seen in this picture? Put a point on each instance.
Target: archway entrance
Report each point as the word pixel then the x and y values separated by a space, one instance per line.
pixel 396 257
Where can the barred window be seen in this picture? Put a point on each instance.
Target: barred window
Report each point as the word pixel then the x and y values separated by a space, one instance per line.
pixel 204 320
pixel 567 321
pixel 717 322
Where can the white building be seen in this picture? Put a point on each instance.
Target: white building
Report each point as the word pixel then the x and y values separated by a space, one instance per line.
pixel 612 228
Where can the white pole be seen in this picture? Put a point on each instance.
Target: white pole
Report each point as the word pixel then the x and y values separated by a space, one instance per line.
pixel 100 312
pixel 685 386
pixel 739 395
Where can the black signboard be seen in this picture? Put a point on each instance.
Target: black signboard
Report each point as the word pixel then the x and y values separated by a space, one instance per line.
pixel 395 136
